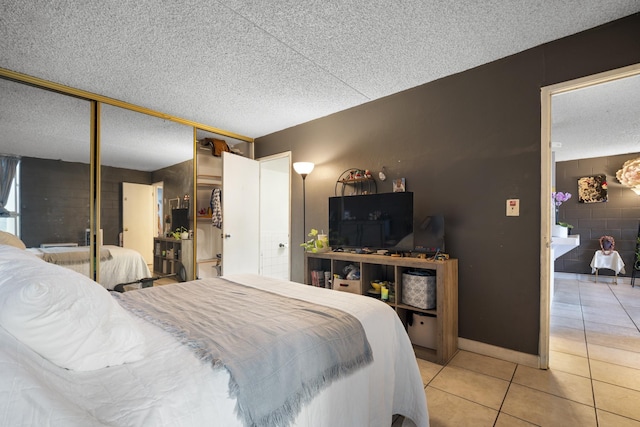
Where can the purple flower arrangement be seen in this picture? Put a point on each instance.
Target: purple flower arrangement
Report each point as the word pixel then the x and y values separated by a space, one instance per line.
pixel 558 198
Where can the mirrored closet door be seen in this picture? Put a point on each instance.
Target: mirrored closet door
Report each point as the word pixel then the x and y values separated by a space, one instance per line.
pixel 147 189
pixel 50 134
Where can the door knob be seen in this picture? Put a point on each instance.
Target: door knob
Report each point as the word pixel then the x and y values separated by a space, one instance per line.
pixel 226 236
pixel 282 245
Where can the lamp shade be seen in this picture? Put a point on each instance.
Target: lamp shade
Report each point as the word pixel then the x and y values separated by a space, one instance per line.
pixel 303 168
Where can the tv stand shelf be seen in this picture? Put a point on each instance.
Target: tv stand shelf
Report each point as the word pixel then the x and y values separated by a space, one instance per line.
pixel 384 267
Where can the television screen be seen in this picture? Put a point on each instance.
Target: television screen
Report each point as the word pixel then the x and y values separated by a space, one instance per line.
pixel 374 221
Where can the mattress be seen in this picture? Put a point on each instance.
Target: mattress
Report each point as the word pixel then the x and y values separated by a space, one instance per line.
pixel 171 387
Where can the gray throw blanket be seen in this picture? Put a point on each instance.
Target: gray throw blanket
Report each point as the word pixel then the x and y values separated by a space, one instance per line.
pixel 71 255
pixel 280 352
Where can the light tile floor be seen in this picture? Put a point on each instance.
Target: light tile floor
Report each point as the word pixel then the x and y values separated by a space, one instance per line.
pixel 593 378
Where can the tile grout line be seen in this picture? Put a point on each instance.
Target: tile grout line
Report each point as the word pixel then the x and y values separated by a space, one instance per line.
pixel 506 393
pixel 625 309
pixel 586 344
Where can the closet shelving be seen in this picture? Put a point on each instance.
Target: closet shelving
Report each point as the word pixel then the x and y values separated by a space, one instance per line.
pixel 205 185
pixel 208 178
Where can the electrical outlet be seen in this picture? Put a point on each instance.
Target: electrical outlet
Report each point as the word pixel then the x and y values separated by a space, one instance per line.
pixel 513 207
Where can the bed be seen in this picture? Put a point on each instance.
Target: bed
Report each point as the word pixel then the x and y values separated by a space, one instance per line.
pixel 117 264
pixel 74 354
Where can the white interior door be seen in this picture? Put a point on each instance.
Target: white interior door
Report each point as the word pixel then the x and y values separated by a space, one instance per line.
pixel 275 213
pixel 137 219
pixel 240 214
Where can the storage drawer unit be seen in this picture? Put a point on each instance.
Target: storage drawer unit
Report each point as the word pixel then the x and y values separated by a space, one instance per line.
pixel 353 286
pixel 422 330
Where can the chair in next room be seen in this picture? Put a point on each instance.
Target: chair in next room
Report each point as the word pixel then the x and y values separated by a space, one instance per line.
pixel 607 257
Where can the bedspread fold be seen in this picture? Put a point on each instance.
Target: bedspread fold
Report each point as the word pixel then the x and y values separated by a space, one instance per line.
pixel 280 352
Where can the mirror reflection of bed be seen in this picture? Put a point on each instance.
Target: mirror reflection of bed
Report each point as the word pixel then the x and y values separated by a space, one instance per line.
pixel 55 192
pixel 117 264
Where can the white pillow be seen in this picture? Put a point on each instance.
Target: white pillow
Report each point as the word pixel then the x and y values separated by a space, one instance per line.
pixel 11 240
pixel 64 316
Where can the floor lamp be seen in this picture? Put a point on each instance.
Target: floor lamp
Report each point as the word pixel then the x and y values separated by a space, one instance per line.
pixel 303 169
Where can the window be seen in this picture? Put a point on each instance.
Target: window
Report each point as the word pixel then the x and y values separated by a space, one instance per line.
pixel 11 224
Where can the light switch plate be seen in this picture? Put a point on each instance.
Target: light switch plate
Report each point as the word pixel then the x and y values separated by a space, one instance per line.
pixel 513 207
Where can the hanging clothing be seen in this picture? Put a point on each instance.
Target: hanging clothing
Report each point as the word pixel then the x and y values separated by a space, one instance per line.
pixel 216 207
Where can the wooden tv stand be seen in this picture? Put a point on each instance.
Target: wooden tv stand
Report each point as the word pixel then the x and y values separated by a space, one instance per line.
pixel 384 267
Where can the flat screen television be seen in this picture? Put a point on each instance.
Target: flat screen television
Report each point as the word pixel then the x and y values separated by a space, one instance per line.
pixel 374 221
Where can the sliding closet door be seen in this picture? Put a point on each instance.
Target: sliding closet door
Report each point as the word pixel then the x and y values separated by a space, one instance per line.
pixel 50 132
pixel 141 150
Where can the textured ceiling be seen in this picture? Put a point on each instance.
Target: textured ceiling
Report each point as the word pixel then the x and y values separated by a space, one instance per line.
pixel 254 68
pixel 597 121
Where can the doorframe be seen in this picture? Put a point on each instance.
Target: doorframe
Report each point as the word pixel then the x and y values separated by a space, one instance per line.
pixel 546 263
pixel 158 213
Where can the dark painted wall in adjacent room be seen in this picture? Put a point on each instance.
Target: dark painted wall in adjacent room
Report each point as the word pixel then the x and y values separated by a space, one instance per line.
pixel 618 217
pixel 465 144
pixel 177 181
pixel 54 200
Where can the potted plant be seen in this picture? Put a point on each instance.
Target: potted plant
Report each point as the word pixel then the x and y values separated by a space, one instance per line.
pixel 180 233
pixel 317 243
pixel 560 229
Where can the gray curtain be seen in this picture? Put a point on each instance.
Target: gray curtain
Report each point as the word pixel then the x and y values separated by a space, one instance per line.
pixel 7 173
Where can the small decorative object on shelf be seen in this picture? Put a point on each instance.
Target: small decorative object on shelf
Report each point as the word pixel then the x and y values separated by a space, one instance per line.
pixel 318 242
pixel 359 181
pixel 399 185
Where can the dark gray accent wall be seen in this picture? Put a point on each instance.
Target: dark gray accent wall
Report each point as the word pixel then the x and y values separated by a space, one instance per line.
pixel 465 144
pixel 618 217
pixel 54 201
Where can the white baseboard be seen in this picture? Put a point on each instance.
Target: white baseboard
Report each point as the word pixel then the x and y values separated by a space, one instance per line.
pixel 526 359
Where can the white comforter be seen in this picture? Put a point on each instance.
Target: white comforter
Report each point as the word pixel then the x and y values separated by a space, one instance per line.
pixel 126 265
pixel 170 387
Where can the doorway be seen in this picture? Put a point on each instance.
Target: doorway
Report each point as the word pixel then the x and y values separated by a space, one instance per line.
pixel 137 210
pixel 257 200
pixel 158 211
pixel 547 169
pixel 275 211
